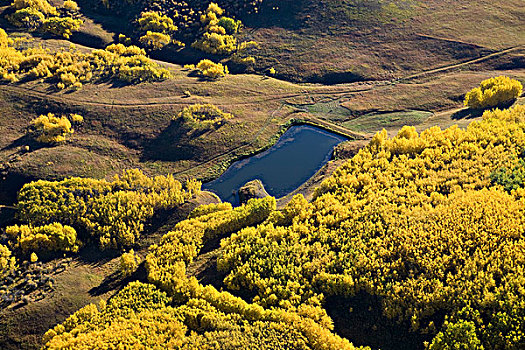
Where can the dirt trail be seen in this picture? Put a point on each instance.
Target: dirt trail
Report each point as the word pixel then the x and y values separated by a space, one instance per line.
pixel 461 64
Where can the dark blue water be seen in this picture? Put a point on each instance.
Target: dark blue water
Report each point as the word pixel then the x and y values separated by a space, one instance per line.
pixel 300 152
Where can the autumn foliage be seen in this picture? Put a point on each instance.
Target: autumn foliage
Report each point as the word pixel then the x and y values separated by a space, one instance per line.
pixel 111 213
pixel 72 68
pixel 494 92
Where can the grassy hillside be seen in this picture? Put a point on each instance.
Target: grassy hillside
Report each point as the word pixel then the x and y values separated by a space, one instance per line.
pixel 354 67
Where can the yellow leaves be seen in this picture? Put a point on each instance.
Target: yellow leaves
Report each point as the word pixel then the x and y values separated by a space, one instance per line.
pixel 203 116
pixel 494 92
pixel 156 22
pixel 61 26
pixel 209 69
pixel 514 114
pixel 128 263
pixel 73 68
pixel 71 5
pixel 7 261
pixel 50 129
pixel 155 40
pixel 216 44
pixel 111 212
pixel 413 219
pixel 39 14
pixel 40 5
pixel 48 238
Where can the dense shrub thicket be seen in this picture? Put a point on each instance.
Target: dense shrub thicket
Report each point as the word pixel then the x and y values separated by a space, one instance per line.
pixel 141 316
pixel 416 220
pixel 41 15
pixel 47 238
pixel 191 316
pixel 110 213
pixel 72 68
pixel 494 92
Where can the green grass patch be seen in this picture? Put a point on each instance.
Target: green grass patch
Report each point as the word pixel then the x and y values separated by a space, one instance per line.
pixel 376 121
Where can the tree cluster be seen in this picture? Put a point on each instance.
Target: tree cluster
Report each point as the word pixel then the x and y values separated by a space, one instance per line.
pixel 71 68
pixel 417 221
pixel 41 15
pixel 494 92
pixel 110 213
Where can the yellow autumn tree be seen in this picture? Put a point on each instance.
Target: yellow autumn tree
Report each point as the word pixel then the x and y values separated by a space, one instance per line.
pixel 494 92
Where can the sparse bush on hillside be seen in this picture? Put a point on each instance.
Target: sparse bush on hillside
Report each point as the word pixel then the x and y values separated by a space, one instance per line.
pixel 48 238
pixel 216 44
pixel 72 68
pixel 41 5
pixel 156 22
pixel 218 34
pixel 28 17
pixel 7 261
pixel 158 30
pixel 50 129
pixel 493 92
pixel 202 116
pixel 211 70
pixel 155 40
pixel 71 5
pixel 230 25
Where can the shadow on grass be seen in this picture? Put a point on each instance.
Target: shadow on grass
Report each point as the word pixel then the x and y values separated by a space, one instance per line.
pixel 467 113
pixel 174 143
pixel 93 256
pixel 116 281
pixel 470 113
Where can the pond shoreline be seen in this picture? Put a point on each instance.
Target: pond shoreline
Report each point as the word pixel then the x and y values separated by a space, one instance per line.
pixel 300 152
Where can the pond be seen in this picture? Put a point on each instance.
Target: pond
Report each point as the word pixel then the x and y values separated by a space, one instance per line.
pixel 298 154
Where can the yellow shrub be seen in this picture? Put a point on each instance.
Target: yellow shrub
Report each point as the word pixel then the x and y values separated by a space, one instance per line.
pixel 76 118
pixel 216 44
pixel 27 17
pixel 51 129
pixel 112 213
pixel 204 115
pixel 7 262
pixel 493 92
pixel 155 40
pixel 48 238
pixel 211 70
pixel 71 5
pixel 40 5
pixel 128 263
pixel 4 39
pixel 61 26
pixel 156 22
